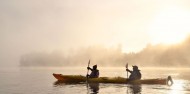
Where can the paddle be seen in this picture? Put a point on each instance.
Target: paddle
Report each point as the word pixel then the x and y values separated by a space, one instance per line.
pixel 127 68
pixel 88 69
pixel 87 77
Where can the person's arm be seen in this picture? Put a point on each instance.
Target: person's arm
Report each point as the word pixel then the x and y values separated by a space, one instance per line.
pixel 129 70
pixel 89 68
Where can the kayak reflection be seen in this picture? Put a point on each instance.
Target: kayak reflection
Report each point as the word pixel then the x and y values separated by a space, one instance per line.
pixel 94 87
pixel 57 83
pixel 134 89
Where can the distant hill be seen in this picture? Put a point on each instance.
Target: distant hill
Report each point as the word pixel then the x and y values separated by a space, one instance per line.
pixel 152 55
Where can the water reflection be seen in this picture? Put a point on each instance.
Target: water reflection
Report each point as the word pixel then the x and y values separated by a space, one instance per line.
pixel 179 87
pixel 134 89
pixel 94 88
pixel 60 83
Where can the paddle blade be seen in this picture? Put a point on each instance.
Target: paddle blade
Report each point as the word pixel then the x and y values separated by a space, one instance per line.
pixel 126 66
pixel 88 62
pixel 87 67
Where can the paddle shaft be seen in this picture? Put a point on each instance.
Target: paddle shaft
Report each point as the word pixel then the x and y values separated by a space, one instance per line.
pixel 88 66
pixel 87 77
pixel 127 68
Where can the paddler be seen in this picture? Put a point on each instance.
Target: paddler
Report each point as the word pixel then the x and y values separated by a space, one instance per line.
pixel 135 74
pixel 94 72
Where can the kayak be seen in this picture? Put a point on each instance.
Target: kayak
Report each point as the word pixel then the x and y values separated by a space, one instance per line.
pixel 118 80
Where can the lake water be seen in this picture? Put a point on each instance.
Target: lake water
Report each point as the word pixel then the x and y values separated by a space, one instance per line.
pixel 41 81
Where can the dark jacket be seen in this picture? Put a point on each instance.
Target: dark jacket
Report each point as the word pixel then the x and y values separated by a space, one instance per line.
pixel 135 75
pixel 94 73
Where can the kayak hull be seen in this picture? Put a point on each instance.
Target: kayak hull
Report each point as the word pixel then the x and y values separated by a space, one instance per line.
pixel 118 80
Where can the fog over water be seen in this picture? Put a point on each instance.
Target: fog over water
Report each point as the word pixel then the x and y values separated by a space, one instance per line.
pixel 72 31
pixel 176 55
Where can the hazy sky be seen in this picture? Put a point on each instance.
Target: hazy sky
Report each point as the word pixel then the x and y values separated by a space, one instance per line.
pixel 48 25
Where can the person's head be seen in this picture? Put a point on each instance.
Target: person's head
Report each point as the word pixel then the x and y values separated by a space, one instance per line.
pixel 95 67
pixel 135 68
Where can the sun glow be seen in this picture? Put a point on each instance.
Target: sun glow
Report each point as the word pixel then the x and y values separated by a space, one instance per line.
pixel 170 26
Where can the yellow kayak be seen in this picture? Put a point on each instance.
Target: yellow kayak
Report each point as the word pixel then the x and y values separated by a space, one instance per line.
pixel 118 80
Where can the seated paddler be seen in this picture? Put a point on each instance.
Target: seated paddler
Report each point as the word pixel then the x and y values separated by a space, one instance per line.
pixel 94 72
pixel 135 74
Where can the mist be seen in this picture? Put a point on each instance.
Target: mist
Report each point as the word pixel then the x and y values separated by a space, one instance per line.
pixel 96 54
pixel 44 28
pixel 175 55
pixel 161 55
pixel 36 26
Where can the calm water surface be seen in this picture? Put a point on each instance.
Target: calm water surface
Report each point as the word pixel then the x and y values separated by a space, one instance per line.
pixel 41 81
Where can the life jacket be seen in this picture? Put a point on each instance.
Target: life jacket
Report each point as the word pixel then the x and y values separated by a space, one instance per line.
pixel 94 74
pixel 135 75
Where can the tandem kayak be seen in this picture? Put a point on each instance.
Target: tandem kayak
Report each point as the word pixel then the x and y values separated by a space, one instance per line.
pixel 118 80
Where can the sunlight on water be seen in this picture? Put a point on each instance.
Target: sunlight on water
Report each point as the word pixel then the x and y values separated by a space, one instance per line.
pixel 179 87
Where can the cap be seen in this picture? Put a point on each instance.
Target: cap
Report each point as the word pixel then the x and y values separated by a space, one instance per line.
pixel 135 67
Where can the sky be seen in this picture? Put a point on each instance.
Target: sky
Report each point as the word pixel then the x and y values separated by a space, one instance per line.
pixel 47 25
